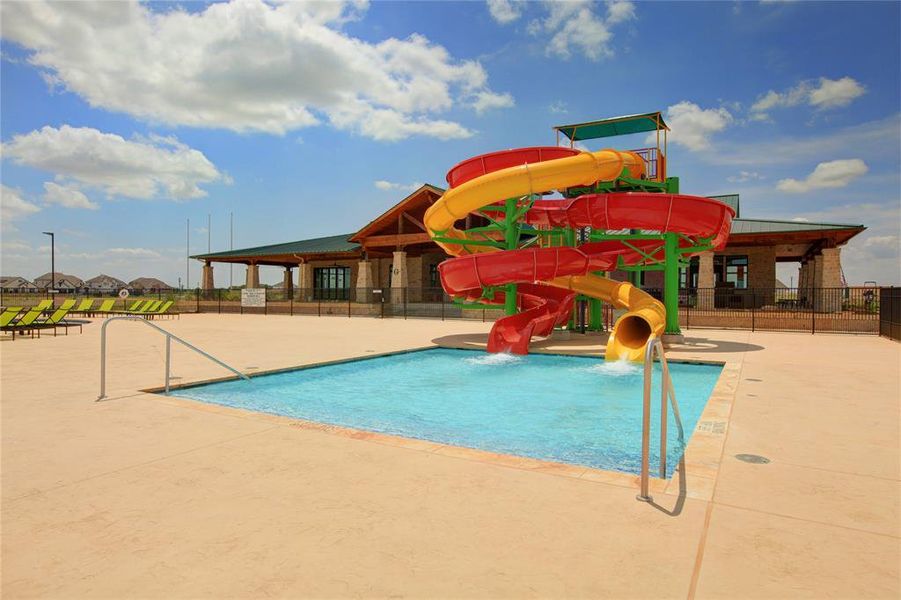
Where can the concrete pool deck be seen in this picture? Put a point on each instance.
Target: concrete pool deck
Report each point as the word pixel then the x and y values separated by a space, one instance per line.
pixel 144 496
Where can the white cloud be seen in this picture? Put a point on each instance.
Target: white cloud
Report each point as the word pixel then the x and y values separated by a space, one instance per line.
pixel 67 196
pixel 13 207
pixel 558 108
pixel 745 176
pixel 504 11
pixel 822 94
pixel 487 100
pixel 246 65
pixel 831 174
pixel 692 126
pixel 574 25
pixel 140 168
pixel 133 252
pixel 386 186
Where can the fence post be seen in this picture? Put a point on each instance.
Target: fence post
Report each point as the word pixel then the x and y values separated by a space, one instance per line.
pixel 382 303
pixel 319 305
pixel 403 292
pixel 291 304
pixel 197 299
pixel 813 312
pixel 753 309
pixel 348 303
pixel 219 300
pixel 442 305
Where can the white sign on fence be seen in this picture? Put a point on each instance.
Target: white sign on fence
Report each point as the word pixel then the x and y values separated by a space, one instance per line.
pixel 253 298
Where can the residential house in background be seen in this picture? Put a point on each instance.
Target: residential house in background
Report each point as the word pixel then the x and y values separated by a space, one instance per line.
pixel 14 283
pixel 104 284
pixel 63 283
pixel 148 284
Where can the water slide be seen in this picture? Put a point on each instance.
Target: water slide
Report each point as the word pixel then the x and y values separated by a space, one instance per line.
pixel 489 179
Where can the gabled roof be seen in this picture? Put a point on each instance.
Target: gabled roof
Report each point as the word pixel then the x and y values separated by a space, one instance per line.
pixel 390 215
pixel 624 125
pixel 102 277
pixel 149 283
pixel 333 243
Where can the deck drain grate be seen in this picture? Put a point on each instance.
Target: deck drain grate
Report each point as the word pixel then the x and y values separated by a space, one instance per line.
pixel 754 459
pixel 718 427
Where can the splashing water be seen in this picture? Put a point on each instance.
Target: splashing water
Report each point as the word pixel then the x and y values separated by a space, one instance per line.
pixel 500 358
pixel 615 368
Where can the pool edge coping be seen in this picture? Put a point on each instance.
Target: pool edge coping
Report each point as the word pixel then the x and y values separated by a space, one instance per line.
pixel 702 455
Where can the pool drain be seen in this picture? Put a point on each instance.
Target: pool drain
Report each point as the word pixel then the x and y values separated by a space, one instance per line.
pixel 754 459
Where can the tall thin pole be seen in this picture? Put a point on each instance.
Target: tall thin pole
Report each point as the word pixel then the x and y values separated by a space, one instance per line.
pixel 188 255
pixel 231 246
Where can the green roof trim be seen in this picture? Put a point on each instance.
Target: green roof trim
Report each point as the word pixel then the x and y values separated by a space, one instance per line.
pixel 624 125
pixel 334 243
pixel 744 226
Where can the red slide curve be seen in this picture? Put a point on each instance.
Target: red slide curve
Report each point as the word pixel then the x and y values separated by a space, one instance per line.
pixel 547 306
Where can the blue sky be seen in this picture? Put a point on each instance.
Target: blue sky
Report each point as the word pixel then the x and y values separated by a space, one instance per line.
pixel 119 122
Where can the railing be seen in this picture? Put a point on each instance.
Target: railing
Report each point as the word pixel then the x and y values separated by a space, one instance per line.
pixel 655 346
pixel 890 313
pixel 169 338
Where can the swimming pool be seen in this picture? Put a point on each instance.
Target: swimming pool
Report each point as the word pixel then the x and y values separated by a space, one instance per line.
pixel 569 409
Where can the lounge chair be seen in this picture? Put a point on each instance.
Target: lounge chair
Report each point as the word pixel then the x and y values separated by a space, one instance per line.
pixel 43 305
pixel 26 323
pixel 163 310
pixel 144 307
pixel 68 304
pixel 134 306
pixel 7 316
pixel 85 306
pixel 57 319
pixel 106 307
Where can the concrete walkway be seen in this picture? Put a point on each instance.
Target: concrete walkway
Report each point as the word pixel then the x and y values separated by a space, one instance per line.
pixel 142 496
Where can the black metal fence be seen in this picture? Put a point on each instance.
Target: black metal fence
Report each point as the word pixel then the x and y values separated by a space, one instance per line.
pixel 890 313
pixel 813 310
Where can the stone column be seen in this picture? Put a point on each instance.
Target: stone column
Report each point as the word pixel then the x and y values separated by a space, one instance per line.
pixel 828 280
pixel 305 281
pixel 288 282
pixel 207 282
pixel 253 276
pixel 803 274
pixel 364 281
pixel 399 276
pixel 706 281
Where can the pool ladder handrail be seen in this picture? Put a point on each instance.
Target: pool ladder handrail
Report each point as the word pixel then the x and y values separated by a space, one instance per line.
pixel 169 337
pixel 655 346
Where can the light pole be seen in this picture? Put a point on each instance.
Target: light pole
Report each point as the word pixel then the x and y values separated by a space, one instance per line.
pixel 52 285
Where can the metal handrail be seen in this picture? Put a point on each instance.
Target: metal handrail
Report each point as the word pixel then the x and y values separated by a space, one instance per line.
pixel 655 346
pixel 169 338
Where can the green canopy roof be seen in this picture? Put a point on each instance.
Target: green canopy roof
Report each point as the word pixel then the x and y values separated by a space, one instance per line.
pixel 625 125
pixel 334 243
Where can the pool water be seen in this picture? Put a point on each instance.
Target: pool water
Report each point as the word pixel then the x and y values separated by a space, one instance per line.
pixel 569 409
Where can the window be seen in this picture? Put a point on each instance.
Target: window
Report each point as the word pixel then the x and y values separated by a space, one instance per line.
pixel 731 271
pixel 688 276
pixel 331 283
pixel 434 278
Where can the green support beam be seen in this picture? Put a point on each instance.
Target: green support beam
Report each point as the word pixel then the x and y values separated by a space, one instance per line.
pixel 671 283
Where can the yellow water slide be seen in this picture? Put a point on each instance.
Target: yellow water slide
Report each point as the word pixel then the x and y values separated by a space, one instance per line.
pixel 645 315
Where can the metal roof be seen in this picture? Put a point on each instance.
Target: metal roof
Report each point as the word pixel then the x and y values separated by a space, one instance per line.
pixel 333 243
pixel 624 125
pixel 742 226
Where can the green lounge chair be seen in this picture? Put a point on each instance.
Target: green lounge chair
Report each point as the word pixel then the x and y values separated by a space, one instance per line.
pixel 106 307
pixel 85 306
pixel 26 323
pixel 162 310
pixel 7 316
pixel 57 319
pixel 43 305
pixel 134 306
pixel 67 304
pixel 142 308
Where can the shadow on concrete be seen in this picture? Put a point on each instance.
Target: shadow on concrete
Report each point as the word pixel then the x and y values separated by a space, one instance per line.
pixel 699 344
pixel 676 510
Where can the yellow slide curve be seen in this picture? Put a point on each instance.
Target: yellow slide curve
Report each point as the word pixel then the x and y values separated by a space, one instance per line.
pixel 645 317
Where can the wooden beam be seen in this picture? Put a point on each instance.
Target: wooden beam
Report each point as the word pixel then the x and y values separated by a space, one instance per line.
pixel 396 240
pixel 415 221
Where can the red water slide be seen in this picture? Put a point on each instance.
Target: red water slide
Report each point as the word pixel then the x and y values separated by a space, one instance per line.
pixel 546 306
